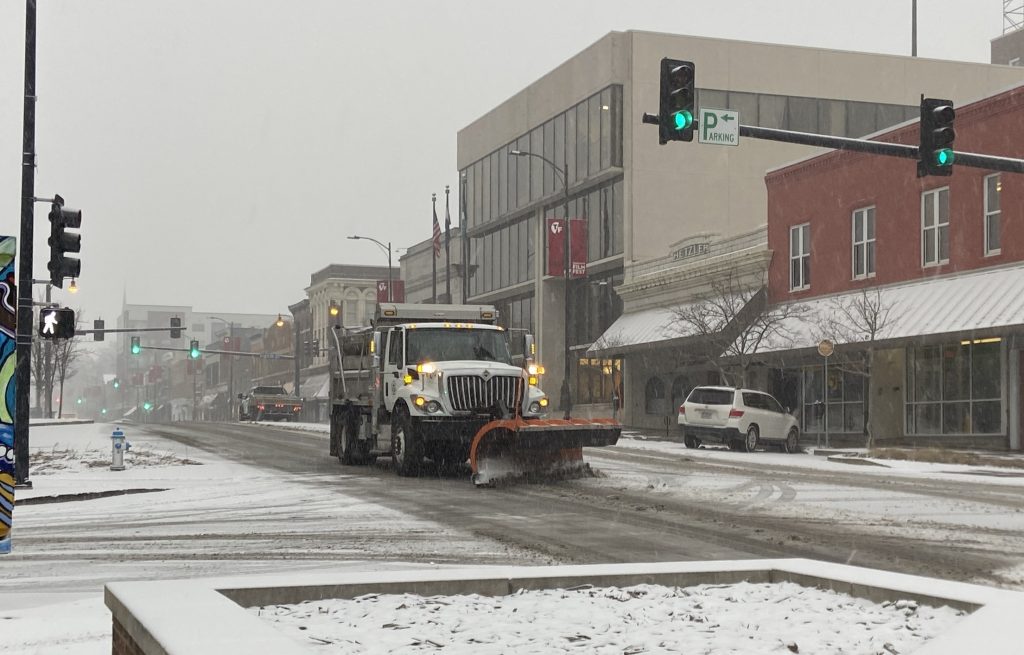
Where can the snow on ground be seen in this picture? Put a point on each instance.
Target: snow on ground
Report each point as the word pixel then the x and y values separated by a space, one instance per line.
pixel 714 619
pixel 222 518
pixel 214 518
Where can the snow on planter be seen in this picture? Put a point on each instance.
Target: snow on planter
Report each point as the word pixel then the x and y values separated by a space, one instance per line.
pixel 734 618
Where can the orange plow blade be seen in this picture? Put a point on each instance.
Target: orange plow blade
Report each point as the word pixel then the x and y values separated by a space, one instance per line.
pixel 541 448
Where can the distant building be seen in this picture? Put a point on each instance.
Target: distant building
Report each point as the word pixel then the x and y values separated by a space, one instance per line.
pixel 162 374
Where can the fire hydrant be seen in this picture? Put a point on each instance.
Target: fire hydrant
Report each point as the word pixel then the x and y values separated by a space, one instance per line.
pixel 120 446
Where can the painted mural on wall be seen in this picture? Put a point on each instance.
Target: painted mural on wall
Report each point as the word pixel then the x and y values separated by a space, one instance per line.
pixel 8 314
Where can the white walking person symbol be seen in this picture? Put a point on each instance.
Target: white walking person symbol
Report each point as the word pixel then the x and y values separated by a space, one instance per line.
pixel 48 322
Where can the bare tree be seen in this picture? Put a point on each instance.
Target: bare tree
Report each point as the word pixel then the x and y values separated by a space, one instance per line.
pixel 862 319
pixel 735 322
pixel 66 352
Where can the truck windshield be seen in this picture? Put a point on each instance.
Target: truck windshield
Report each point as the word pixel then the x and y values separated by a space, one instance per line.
pixel 269 391
pixel 439 345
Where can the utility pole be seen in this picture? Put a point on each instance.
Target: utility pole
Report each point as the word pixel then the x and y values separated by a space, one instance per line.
pixel 913 28
pixel 23 340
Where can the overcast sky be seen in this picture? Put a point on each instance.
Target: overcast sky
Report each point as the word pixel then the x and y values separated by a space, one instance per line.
pixel 221 150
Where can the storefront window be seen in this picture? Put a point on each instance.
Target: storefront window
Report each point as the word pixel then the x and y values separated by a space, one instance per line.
pixel 955 388
pixel 598 380
pixel 845 400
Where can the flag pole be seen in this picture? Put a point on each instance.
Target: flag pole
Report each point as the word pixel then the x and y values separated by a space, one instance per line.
pixel 433 249
pixel 447 247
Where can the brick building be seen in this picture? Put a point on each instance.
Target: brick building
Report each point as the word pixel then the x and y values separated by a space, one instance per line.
pixel 938 261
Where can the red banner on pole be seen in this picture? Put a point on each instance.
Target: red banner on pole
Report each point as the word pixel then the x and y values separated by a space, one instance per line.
pixel 556 247
pixel 397 296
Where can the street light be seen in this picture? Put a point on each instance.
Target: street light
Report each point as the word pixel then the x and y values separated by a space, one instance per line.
pixel 231 365
pixel 387 249
pixel 562 173
pixel 295 349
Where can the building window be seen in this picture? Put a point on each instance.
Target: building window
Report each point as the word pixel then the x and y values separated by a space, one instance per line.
pixel 800 257
pixel 598 381
pixel 935 227
pixel 955 388
pixel 845 400
pixel 655 402
pixel 993 208
pixel 864 243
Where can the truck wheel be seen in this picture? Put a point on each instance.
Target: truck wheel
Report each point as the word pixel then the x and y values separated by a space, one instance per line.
pixel 406 446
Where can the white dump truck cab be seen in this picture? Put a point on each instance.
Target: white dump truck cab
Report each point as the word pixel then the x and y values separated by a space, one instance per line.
pixel 440 373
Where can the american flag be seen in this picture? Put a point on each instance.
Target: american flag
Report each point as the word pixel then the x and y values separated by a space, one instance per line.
pixel 437 235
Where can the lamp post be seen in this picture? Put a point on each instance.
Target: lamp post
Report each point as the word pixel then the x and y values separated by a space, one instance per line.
pixel 562 173
pixel 387 249
pixel 231 366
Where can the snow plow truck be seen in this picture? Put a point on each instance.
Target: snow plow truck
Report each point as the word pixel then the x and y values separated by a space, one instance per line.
pixel 438 382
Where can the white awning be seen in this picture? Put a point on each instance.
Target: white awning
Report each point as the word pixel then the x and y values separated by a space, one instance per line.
pixel 974 302
pixel 661 326
pixel 635 330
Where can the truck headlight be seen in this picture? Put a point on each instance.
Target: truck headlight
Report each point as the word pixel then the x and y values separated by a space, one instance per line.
pixel 535 369
pixel 428 406
pixel 535 407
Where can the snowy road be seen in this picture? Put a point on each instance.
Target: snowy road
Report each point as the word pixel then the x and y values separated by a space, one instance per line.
pixel 658 502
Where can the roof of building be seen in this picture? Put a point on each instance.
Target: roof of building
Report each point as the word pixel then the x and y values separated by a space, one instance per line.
pixel 350 271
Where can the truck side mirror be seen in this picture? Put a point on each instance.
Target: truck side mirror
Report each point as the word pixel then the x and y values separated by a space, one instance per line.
pixel 376 361
pixel 240 396
pixel 530 348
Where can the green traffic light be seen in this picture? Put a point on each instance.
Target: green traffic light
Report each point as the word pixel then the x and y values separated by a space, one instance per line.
pixel 682 119
pixel 944 157
pixel 117 384
pixel 103 411
pixel 147 405
pixel 79 401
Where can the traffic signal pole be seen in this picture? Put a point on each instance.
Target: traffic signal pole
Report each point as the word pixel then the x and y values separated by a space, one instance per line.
pixel 989 162
pixel 23 332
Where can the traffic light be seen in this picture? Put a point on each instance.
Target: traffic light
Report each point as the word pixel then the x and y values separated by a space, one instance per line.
pixel 147 405
pixel 193 349
pixel 175 327
pixel 117 383
pixel 315 351
pixel 935 154
pixel 306 347
pixel 136 346
pixel 62 242
pixel 334 310
pixel 57 323
pixel 676 111
pixel 97 325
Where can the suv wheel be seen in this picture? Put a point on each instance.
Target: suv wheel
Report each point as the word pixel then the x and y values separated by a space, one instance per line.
pixel 792 444
pixel 750 442
pixel 691 441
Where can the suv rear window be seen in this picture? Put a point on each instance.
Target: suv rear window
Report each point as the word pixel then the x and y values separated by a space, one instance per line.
pixel 711 396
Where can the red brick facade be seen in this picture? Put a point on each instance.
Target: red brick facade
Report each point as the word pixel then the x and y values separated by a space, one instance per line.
pixel 826 190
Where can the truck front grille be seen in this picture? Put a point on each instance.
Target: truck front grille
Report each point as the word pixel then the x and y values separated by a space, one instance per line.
pixel 472 392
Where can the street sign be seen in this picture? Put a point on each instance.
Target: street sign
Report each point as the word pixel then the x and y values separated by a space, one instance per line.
pixel 719 126
pixel 826 348
pixel 57 323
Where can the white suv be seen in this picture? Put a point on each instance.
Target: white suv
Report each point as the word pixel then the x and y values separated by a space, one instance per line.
pixel 739 418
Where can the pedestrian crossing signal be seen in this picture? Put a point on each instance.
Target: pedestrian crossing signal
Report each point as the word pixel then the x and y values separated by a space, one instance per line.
pixel 57 323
